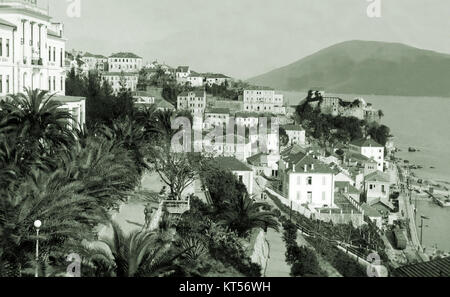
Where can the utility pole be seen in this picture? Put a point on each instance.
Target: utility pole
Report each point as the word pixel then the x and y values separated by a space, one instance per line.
pixel 421 227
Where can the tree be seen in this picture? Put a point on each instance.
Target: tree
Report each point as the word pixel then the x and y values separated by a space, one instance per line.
pixel 242 215
pixel 306 263
pixel 139 254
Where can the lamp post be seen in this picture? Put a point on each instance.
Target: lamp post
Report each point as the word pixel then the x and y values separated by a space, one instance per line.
pixel 421 226
pixel 37 225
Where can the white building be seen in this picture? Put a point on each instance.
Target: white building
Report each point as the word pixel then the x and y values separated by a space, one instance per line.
pixel 216 117
pixel 124 62
pixel 216 78
pixel 377 186
pixel 181 74
pixel 195 80
pixel 263 101
pixel 296 134
pixel 370 149
pixel 115 79
pixel 32 49
pixel 229 146
pixel 307 181
pixel 247 119
pixel 194 101
pixel 32 54
pixel 95 62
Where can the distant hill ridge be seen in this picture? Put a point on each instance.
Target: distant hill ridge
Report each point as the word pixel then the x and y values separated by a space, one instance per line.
pixel 366 67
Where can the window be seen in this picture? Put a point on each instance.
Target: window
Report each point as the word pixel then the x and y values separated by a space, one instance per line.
pixel 54 83
pixel 1 83
pixel 7 84
pixel 1 46
pixel 382 188
pixel 309 180
pixel 49 83
pixel 49 53
pixel 54 54
pixel 241 178
pixel 371 187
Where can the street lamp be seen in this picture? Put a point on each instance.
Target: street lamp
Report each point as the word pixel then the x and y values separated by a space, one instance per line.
pixel 37 225
pixel 421 226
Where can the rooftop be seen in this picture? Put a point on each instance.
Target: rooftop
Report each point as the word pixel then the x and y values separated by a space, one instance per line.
pixel 377 176
pixel 197 93
pixel 66 99
pixel 6 23
pixel 302 161
pixel 366 143
pixel 433 268
pixel 89 55
pixel 125 55
pixel 231 163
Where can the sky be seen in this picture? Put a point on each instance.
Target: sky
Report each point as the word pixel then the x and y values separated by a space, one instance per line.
pixel 245 38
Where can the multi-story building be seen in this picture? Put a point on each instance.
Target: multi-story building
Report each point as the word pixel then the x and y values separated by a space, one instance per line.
pixel 371 149
pixel 376 186
pixel 242 172
pixel 32 53
pixel 263 101
pixel 194 101
pixel 296 134
pixel 216 116
pixel 95 62
pixel 32 49
pixel 118 79
pixel 126 62
pixel 216 78
pixel 307 180
pixel 195 80
pixel 181 74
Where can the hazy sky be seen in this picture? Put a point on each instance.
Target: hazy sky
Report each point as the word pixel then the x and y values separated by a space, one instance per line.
pixel 244 38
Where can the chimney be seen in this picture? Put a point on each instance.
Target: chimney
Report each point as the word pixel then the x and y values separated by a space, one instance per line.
pixel 293 167
pixel 306 168
pixel 346 189
pixel 312 166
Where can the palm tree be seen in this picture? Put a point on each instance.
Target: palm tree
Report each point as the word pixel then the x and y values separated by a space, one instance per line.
pixel 67 216
pixel 243 214
pixel 36 121
pixel 138 254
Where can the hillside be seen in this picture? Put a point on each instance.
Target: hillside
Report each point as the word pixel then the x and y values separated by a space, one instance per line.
pixel 366 67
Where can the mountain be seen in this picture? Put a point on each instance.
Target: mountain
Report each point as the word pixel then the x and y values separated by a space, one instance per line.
pixel 366 67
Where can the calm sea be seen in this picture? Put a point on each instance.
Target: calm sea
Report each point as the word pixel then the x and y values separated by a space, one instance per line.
pixel 422 123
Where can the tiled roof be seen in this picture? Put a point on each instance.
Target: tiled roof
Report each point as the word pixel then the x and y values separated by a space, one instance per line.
pixel 231 163
pixel 6 23
pixel 197 94
pixel 370 211
pixel 433 268
pixel 182 69
pixel 257 159
pixel 366 143
pixel 89 55
pixel 377 176
pixel 215 75
pixel 292 128
pixel 342 185
pixel 125 55
pixel 293 149
pixel 218 110
pixel 120 73
pixel 302 161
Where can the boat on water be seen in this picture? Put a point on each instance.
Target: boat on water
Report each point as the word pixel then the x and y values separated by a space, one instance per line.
pixel 441 200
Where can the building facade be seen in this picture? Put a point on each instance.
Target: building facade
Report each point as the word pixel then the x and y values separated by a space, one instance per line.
pixel 116 79
pixel 307 181
pixel 263 101
pixel 371 149
pixel 296 134
pixel 32 49
pixel 124 62
pixel 194 101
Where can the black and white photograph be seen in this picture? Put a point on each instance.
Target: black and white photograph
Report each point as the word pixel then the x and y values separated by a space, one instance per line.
pixel 222 146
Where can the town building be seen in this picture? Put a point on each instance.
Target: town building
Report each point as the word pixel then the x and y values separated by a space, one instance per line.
pixel 247 119
pixel 95 62
pixel 263 101
pixel 195 79
pixel 376 185
pixel 117 80
pixel 296 134
pixel 216 117
pixel 181 74
pixel 216 79
pixel 124 62
pixel 371 149
pixel 307 181
pixel 152 97
pixel 32 54
pixel 230 145
pixel 32 49
pixel 242 172
pixel 265 164
pixel 194 101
